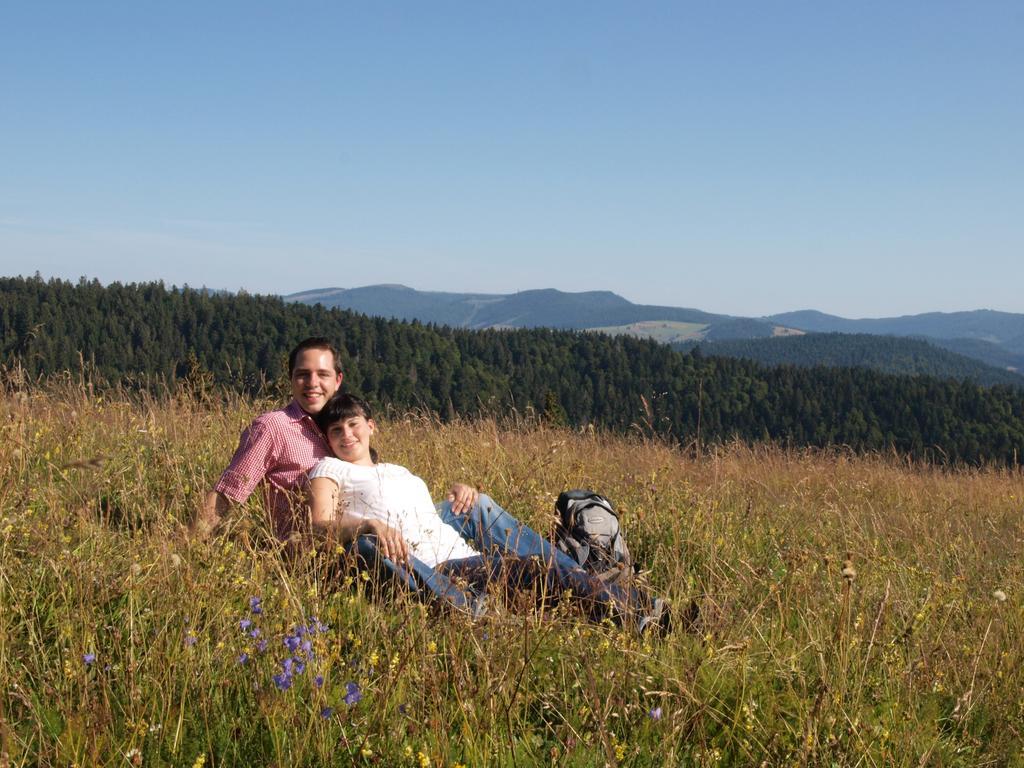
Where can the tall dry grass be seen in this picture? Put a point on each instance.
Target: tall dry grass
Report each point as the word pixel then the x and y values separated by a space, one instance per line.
pixel 854 610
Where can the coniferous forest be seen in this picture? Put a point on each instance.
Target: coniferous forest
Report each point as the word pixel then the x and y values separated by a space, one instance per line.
pixel 149 336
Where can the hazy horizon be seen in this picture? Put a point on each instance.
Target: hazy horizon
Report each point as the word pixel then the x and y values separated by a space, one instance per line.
pixel 711 310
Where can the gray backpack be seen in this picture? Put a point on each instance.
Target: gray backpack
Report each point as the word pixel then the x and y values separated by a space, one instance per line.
pixel 588 531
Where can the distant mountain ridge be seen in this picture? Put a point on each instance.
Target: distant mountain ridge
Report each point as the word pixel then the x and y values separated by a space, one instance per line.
pixel 991 337
pixel 545 307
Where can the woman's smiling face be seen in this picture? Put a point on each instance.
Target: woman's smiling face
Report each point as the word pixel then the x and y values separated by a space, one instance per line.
pixel 350 439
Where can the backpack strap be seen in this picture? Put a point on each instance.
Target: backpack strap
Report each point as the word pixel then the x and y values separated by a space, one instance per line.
pixel 577 550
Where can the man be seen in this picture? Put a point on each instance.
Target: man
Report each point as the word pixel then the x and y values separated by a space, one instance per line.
pixel 280 447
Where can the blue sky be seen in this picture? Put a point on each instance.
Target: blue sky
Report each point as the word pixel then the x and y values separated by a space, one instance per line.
pixel 864 159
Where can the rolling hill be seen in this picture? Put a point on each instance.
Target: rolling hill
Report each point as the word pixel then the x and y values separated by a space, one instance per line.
pixel 987 337
pixel 887 354
pixel 1003 328
pixel 542 308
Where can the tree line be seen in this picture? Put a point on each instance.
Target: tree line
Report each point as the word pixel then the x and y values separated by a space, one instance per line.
pixel 147 335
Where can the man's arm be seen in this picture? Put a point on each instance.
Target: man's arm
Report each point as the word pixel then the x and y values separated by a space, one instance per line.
pixel 462 497
pixel 247 468
pixel 323 505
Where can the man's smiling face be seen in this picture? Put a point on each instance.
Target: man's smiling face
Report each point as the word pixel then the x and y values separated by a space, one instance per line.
pixel 314 379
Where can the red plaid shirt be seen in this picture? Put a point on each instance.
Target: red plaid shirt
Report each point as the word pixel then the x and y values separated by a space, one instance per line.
pixel 279 447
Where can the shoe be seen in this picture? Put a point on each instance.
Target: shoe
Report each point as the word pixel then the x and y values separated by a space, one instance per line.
pixel 479 607
pixel 658 621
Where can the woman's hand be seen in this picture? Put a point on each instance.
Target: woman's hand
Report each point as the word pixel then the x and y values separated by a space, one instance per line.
pixel 462 497
pixel 389 541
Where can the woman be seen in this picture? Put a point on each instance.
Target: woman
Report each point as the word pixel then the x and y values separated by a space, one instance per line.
pixel 387 511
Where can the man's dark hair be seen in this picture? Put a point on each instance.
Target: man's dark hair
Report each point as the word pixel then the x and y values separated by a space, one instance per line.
pixel 341 406
pixel 313 342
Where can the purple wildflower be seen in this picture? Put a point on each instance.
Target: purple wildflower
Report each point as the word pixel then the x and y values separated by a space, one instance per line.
pixel 326 713
pixel 254 633
pixel 282 681
pixel 655 714
pixel 256 605
pixel 190 640
pixel 318 681
pixel 261 646
pixel 243 658
pixel 244 624
pixel 300 666
pixel 307 646
pixel 89 658
pixel 353 695
pixel 287 665
pixel 291 642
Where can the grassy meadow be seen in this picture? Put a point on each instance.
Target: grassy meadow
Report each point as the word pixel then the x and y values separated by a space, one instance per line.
pixel 854 611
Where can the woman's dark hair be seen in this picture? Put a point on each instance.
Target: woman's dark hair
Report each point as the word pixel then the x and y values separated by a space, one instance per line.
pixel 341 406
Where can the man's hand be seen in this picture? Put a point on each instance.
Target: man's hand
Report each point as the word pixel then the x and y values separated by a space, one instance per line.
pixel 389 541
pixel 209 515
pixel 462 497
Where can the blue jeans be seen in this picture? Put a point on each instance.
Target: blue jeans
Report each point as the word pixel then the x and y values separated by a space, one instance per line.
pixel 507 545
pixel 414 575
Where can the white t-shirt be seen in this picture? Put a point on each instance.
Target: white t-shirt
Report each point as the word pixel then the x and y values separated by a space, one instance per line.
pixel 396 496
